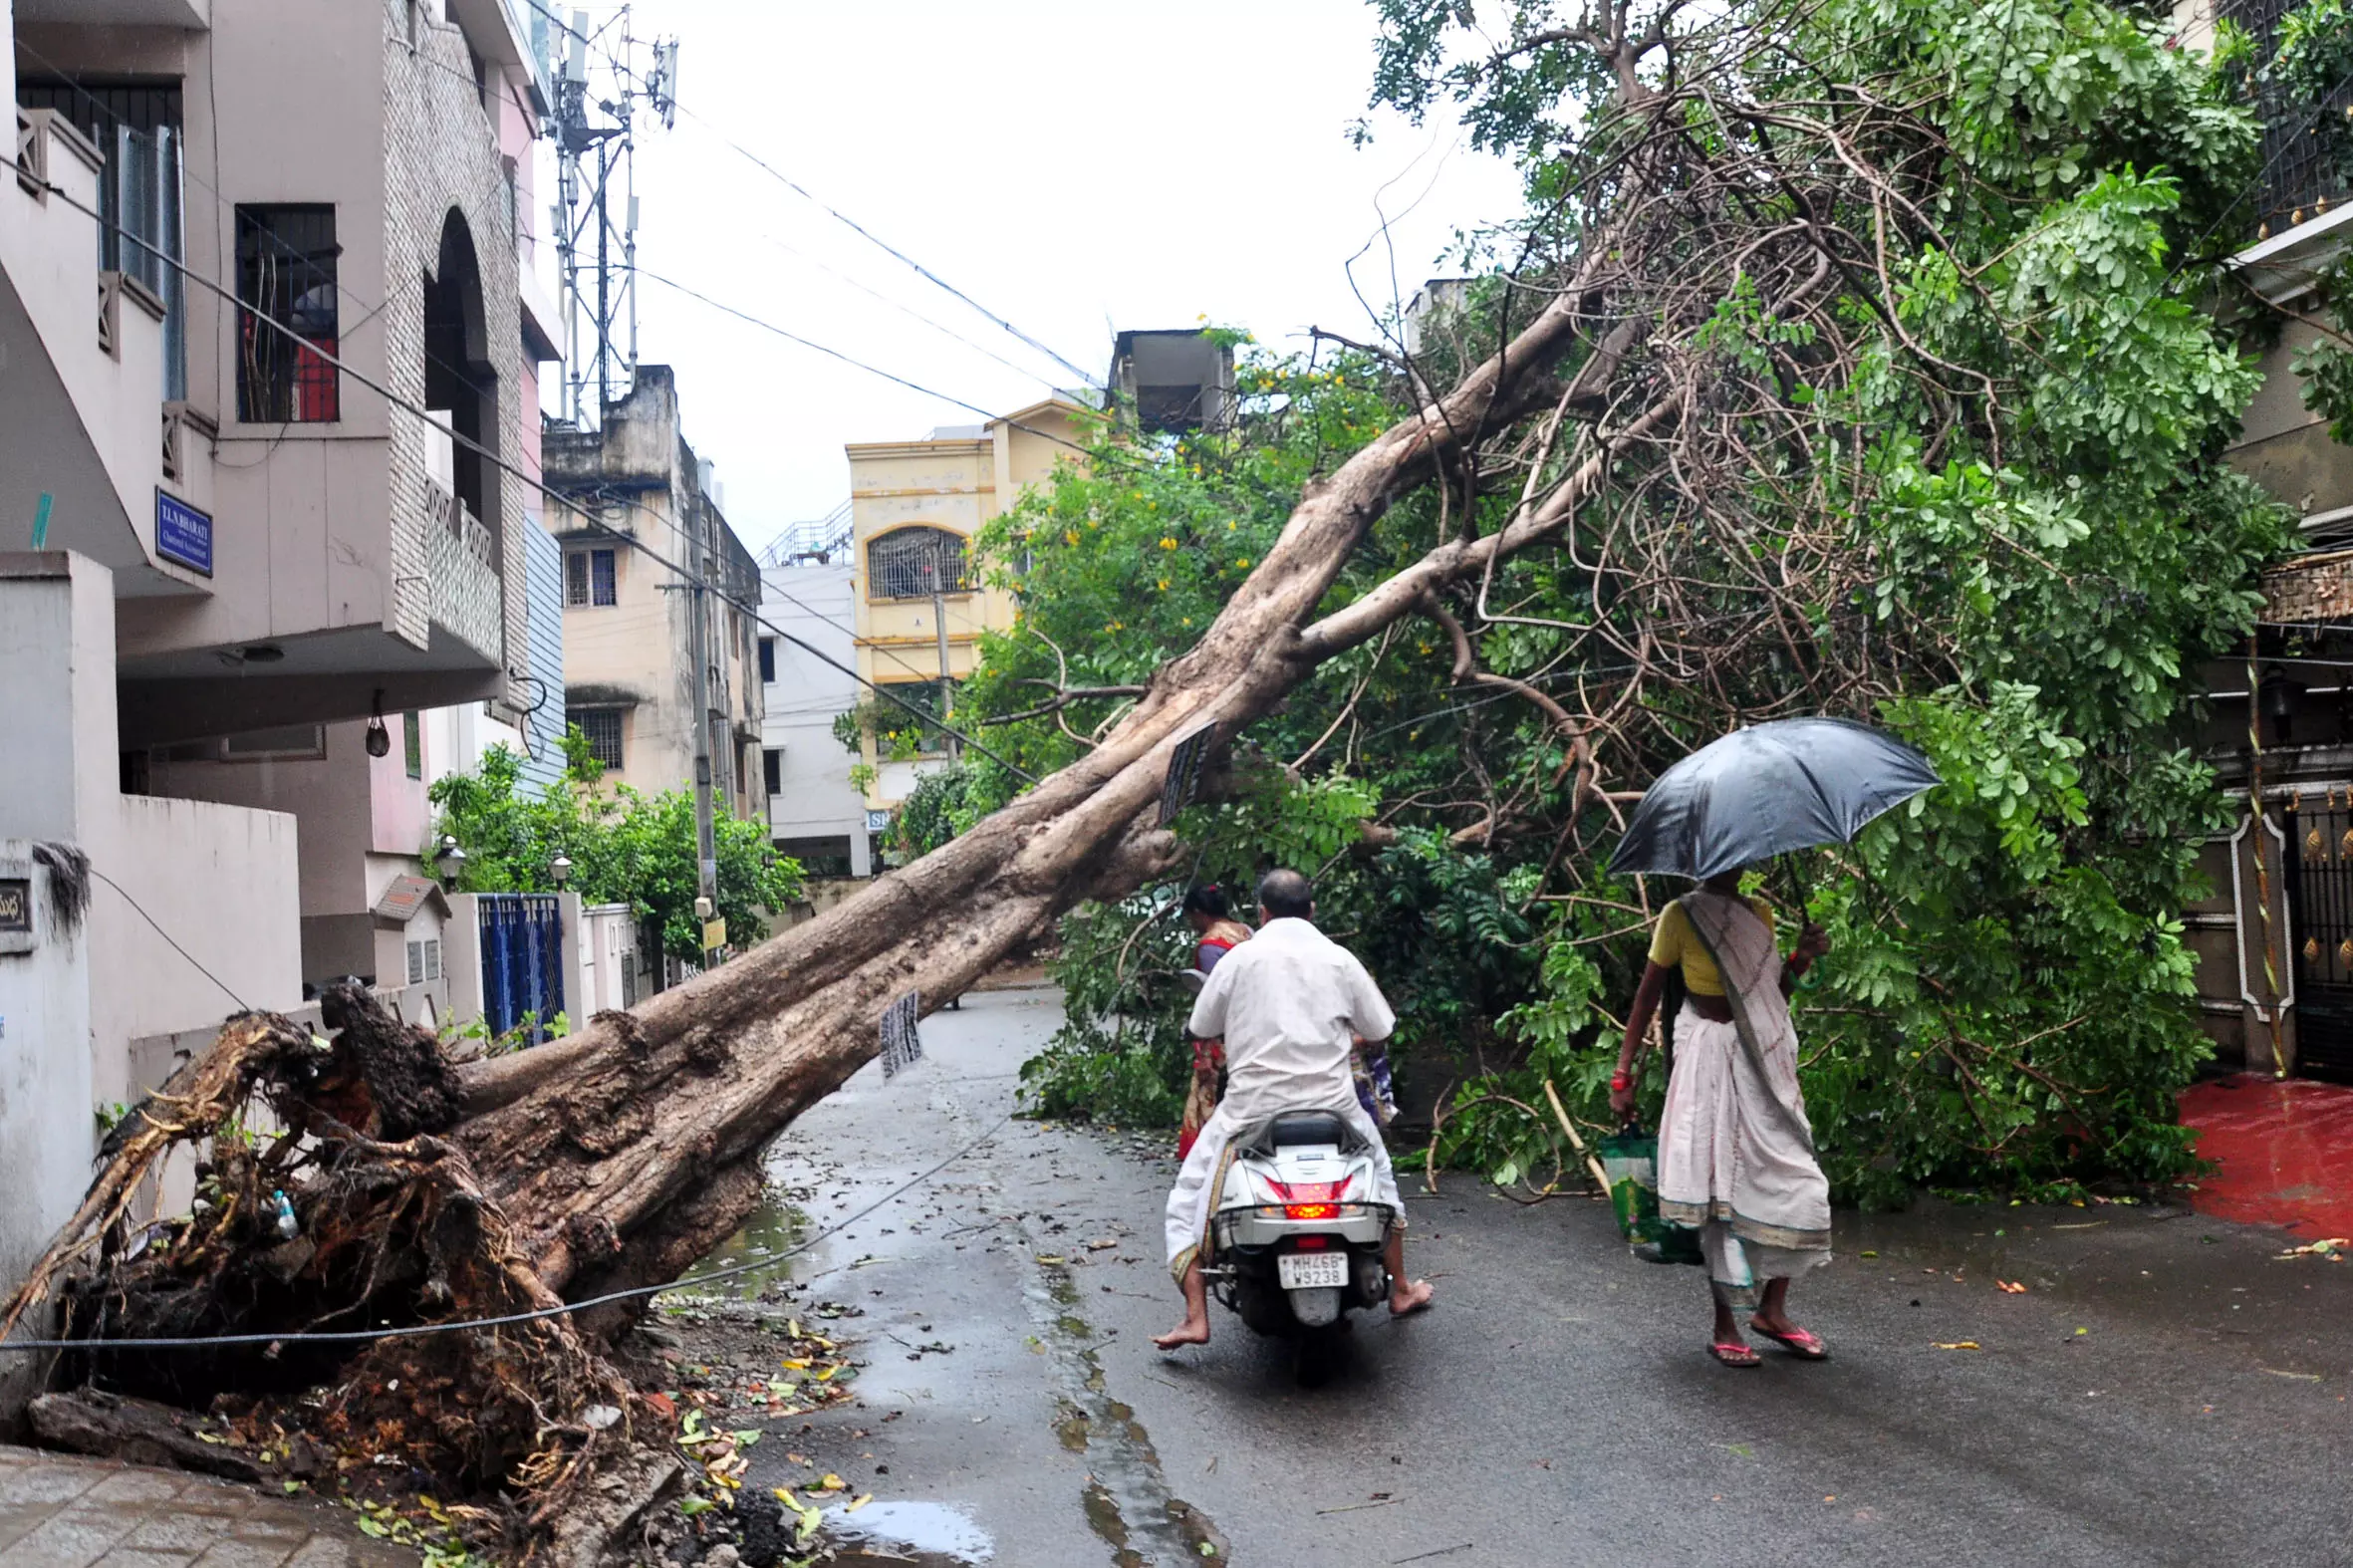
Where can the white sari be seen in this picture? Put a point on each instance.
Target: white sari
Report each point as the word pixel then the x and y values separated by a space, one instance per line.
pixel 1736 1152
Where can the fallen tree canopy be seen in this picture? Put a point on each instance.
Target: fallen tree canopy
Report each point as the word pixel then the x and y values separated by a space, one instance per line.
pixel 1831 371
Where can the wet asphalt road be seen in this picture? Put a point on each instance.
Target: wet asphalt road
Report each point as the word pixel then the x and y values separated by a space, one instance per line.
pixel 2165 1391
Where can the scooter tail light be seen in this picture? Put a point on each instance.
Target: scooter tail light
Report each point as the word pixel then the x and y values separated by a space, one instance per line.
pixel 1312 1243
pixel 1311 1210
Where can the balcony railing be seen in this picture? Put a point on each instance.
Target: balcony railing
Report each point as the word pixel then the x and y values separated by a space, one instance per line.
pixel 178 420
pixel 461 558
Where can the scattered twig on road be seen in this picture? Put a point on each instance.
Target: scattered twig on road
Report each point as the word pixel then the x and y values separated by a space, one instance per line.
pixel 1574 1142
pixel 1351 1507
pixel 1441 1552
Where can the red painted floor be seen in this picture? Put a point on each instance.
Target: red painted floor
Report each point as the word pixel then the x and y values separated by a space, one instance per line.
pixel 2285 1148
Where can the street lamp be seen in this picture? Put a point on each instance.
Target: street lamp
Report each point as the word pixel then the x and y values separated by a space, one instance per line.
pixel 560 868
pixel 449 858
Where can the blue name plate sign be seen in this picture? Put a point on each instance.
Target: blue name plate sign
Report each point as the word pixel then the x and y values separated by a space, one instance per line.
pixel 184 535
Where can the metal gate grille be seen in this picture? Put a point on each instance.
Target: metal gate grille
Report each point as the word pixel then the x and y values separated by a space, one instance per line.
pixel 522 963
pixel 2319 866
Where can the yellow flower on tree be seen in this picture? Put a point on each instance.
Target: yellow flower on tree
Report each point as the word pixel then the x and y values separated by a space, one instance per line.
pixel 1168 543
pixel 1243 562
pixel 1070 536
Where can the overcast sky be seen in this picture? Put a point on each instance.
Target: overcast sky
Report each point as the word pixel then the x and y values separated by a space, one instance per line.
pixel 1076 168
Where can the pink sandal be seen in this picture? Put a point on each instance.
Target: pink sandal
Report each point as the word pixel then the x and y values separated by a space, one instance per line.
pixel 1732 1353
pixel 1804 1344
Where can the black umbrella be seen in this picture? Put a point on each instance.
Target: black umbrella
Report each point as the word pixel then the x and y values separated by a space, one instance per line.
pixel 1759 792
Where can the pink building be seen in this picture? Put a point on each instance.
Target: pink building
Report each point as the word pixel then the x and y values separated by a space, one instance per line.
pixel 269 425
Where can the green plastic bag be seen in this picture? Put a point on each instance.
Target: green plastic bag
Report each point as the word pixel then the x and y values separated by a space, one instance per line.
pixel 1630 1164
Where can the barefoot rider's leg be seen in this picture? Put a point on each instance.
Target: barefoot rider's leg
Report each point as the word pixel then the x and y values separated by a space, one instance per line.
pixel 1195 1330
pixel 1404 1295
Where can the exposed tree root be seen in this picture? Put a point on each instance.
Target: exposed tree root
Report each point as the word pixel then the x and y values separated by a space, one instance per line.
pixel 387 1233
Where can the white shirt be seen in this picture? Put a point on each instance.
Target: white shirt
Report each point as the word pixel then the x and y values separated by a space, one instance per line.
pixel 1287 1002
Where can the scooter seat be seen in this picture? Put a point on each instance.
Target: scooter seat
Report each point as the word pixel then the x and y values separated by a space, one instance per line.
pixel 1302 1129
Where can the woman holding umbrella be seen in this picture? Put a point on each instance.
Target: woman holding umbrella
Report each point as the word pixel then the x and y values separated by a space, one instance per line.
pixel 1735 1151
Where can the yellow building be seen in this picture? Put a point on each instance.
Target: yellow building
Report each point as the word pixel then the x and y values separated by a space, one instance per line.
pixel 915 508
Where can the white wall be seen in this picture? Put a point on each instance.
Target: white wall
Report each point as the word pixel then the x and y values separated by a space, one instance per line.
pixel 195 907
pixel 44 1099
pixel 813 602
pixel 221 881
pixel 608 946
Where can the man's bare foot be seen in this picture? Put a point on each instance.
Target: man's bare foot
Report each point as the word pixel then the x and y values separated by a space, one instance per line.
pixel 1192 1331
pixel 1410 1297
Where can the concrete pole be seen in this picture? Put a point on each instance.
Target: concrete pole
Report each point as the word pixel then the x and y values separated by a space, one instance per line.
pixel 707 843
pixel 946 686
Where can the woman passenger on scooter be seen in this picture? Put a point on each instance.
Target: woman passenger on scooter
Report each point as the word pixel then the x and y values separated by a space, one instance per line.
pixel 1215 934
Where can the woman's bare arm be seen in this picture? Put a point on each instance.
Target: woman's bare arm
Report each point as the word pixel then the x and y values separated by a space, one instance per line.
pixel 1637 1026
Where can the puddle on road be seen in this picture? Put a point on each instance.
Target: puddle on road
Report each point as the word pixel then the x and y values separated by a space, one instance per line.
pixel 1071 1425
pixel 1102 1515
pixel 773 1230
pixel 929 1534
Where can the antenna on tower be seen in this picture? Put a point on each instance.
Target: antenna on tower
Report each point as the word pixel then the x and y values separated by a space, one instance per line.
pixel 600 92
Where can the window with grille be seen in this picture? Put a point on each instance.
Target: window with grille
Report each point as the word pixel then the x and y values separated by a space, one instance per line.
pixel 772 769
pixel 589 578
pixel 432 957
pixel 767 660
pixel 933 700
pixel 289 321
pixel 2298 177
pixel 600 728
pixel 916 563
pixel 412 745
pixel 417 963
pixel 137 126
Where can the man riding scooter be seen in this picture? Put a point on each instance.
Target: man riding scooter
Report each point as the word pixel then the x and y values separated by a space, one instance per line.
pixel 1289 1004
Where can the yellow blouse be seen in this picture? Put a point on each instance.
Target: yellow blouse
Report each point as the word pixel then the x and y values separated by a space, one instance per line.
pixel 1675 943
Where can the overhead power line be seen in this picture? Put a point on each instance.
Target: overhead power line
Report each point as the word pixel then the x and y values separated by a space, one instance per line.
pixel 394 399
pixel 368 311
pixel 1085 378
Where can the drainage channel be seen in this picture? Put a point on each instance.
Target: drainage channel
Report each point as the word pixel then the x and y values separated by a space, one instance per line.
pixel 1126 1499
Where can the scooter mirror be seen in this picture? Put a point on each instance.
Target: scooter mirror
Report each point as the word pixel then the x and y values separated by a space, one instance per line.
pixel 1192 980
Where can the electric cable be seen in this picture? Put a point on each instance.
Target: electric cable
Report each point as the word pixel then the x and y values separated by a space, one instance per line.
pixel 394 399
pixel 635 544
pixel 168 937
pixel 457 1326
pixel 369 312
pixel 628 73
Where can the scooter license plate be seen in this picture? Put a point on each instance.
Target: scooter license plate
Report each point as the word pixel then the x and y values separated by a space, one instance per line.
pixel 1308 1270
